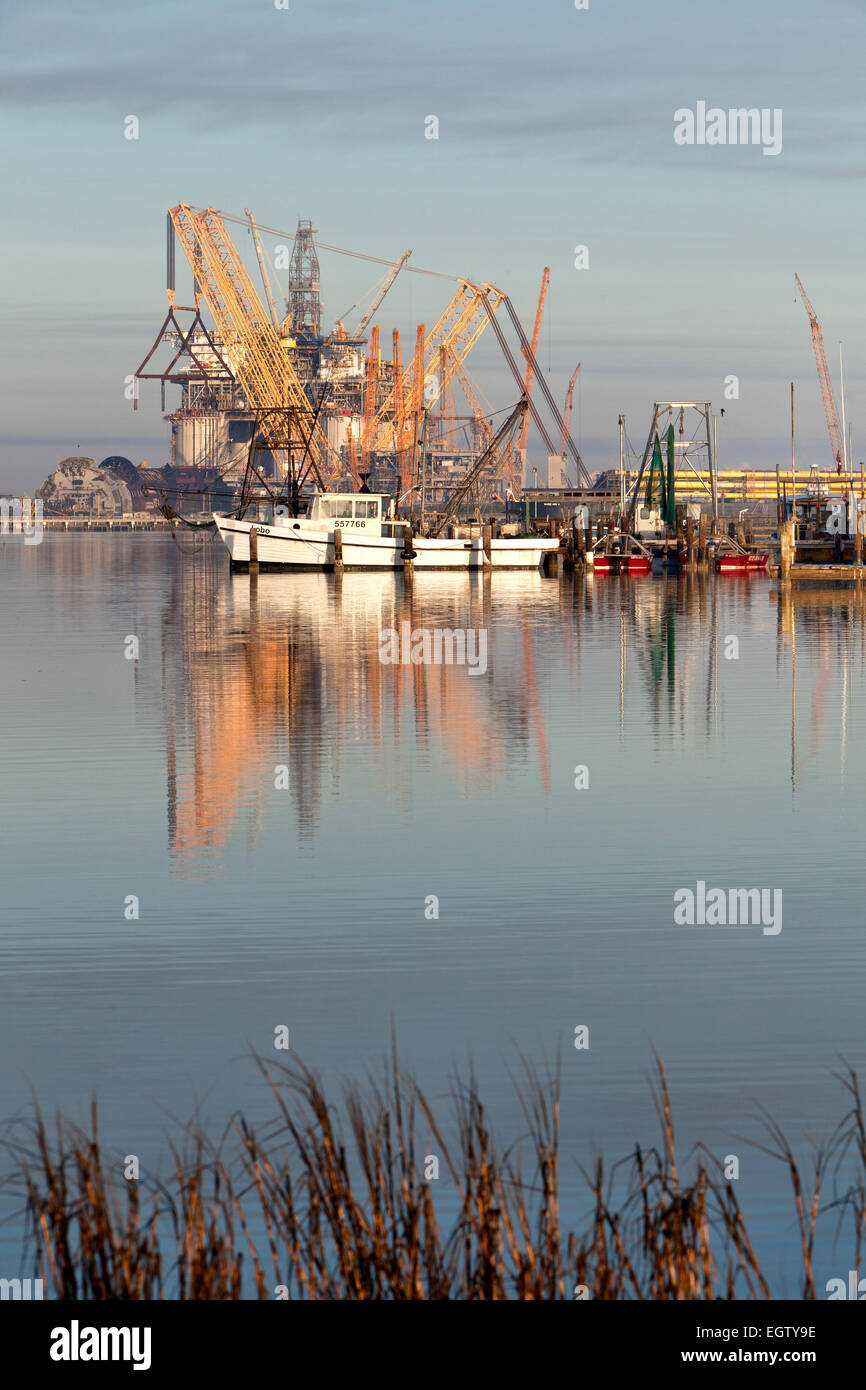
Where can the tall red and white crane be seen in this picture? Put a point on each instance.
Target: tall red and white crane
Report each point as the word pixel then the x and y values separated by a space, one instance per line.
pixel 837 443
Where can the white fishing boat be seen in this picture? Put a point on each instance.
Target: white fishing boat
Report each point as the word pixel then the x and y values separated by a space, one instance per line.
pixel 368 539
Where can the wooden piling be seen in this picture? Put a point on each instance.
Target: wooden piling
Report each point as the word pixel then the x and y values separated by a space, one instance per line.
pixel 567 545
pixel 408 553
pixel 690 542
pixel 487 545
pixel 338 550
pixel 703 529
pixel 254 549
pixel 786 549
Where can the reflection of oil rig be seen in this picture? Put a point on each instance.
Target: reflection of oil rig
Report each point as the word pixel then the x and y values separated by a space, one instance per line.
pixel 412 427
pixel 291 671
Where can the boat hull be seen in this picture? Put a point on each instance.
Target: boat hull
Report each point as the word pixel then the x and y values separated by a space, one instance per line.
pixel 740 564
pixel 291 546
pixel 621 564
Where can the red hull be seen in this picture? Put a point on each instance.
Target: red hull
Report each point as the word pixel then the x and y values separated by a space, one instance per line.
pixel 619 564
pixel 733 564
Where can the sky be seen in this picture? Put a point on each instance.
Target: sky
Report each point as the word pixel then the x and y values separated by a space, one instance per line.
pixel 555 130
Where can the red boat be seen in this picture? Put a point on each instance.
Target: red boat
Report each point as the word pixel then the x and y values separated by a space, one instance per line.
pixel 730 562
pixel 616 553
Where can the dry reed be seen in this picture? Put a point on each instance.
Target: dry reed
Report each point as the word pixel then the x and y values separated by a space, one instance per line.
pixel 328 1203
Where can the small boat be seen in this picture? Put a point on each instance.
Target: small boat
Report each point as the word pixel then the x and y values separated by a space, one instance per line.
pixel 736 562
pixel 622 554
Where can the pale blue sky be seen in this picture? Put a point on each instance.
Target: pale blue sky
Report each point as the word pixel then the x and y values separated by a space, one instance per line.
pixel 556 128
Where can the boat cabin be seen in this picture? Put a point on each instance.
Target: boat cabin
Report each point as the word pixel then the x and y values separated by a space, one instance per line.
pixel 369 512
pixel 350 511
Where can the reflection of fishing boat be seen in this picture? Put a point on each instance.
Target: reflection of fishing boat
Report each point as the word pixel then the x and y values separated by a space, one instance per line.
pixel 622 553
pixel 354 525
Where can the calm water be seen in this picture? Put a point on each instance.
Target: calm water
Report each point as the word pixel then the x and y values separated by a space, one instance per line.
pixel 261 906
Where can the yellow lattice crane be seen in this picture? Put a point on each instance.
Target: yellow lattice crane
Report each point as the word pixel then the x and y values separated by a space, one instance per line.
pixel 457 330
pixel 252 346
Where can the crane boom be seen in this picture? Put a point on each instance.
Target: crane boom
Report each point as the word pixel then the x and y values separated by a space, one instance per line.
pixel 260 257
pixel 458 328
pixel 536 334
pixel 836 442
pixel 383 290
pixel 566 417
pixel 478 467
pixel 252 346
pixel 494 455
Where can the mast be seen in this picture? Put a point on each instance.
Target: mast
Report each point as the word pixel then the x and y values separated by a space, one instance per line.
pixel 845 458
pixel 793 463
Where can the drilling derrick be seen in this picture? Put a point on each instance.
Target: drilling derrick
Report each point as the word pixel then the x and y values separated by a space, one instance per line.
pixel 303 303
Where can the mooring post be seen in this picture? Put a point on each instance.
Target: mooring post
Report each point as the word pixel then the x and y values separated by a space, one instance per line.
pixel 254 548
pixel 690 542
pixel 408 553
pixel 338 550
pixel 786 549
pixel 487 546
pixel 703 528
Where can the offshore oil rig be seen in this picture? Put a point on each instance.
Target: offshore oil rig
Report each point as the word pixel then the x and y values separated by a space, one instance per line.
pixel 263 384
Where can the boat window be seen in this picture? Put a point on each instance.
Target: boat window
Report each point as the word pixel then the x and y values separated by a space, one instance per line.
pixel 335 507
pixel 366 508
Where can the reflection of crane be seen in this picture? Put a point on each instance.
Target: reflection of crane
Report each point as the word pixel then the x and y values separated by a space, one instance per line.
pixel 533 703
pixel 836 442
pixel 251 342
pixel 566 421
pixel 536 334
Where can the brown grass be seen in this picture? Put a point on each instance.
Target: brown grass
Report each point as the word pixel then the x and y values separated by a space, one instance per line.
pixel 333 1203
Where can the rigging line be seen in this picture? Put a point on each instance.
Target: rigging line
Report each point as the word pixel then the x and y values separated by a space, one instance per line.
pixel 323 246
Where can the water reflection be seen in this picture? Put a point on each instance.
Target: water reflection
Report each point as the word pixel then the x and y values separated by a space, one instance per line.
pixel 274 670
pixel 287 670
